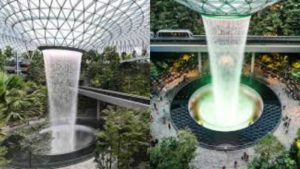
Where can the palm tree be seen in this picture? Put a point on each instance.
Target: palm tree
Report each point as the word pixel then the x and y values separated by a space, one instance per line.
pixel 17 100
pixel 11 92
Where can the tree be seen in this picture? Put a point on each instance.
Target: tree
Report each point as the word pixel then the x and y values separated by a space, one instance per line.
pixel 2 61
pixel 123 143
pixel 36 68
pixel 3 160
pixel 295 149
pixel 108 73
pixel 268 147
pixel 19 100
pixel 278 19
pixel 174 153
pixel 168 14
pixel 8 52
pixel 284 161
pixel 4 55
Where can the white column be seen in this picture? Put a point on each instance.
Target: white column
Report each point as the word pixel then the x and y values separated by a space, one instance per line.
pixel 199 62
pixel 98 110
pixel 18 66
pixel 252 62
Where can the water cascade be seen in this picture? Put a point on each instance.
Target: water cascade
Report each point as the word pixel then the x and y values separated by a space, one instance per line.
pixel 62 73
pixel 226 37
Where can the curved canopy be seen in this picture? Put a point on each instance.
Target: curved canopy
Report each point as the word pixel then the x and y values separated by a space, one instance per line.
pixel 9 38
pixel 139 40
pixel 227 7
pixel 79 24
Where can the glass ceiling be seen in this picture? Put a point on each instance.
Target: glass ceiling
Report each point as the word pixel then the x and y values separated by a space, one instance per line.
pixel 227 7
pixel 9 38
pixel 80 24
pixel 139 40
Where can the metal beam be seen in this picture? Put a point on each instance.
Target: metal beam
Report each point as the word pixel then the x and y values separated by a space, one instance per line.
pixel 199 62
pixel 135 59
pixel 252 62
pixel 259 48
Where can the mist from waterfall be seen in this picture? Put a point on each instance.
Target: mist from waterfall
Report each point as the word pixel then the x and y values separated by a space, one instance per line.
pixel 226 39
pixel 62 74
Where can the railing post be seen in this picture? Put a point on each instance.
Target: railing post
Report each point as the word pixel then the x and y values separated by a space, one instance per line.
pixel 199 62
pixel 17 66
pixel 98 110
pixel 252 62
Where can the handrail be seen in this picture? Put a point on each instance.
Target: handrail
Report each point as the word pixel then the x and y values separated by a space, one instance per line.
pixel 250 39
pixel 131 97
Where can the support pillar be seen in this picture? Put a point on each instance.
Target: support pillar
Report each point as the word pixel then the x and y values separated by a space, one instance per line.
pixel 199 62
pixel 17 66
pixel 98 110
pixel 252 62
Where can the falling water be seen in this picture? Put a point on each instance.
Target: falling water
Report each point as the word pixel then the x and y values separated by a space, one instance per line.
pixel 226 39
pixel 62 72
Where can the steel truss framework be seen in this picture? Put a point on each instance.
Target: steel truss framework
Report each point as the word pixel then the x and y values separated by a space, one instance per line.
pixel 227 7
pixel 79 24
pixel 17 43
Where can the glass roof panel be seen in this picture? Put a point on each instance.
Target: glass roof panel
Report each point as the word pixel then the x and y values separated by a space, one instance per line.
pixel 83 24
pixel 226 7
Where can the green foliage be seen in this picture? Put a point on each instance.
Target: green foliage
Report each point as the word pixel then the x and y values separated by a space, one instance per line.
pixel 284 161
pixel 108 73
pixel 279 19
pixel 268 147
pixel 124 141
pixel 8 52
pixel 4 55
pixel 3 160
pixel 168 14
pixel 153 70
pixel 36 69
pixel 174 153
pixel 2 62
pixel 291 13
pixel 102 72
pixel 3 151
pixel 276 61
pixel 32 141
pixel 19 100
pixel 295 151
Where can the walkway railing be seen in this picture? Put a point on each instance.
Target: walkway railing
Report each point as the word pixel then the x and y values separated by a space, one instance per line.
pixel 117 98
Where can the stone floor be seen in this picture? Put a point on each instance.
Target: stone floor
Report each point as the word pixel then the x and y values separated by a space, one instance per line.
pixel 210 159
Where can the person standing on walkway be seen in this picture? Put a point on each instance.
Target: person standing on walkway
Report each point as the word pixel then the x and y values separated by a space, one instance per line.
pixel 235 165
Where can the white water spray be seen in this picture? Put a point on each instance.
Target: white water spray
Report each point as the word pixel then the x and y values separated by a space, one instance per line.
pixel 62 73
pixel 226 39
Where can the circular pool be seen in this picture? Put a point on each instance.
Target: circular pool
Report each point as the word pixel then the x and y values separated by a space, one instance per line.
pixel 203 109
pixel 253 126
pixel 84 149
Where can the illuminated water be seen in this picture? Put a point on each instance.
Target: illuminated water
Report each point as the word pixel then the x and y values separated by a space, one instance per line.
pixel 84 137
pixel 202 108
pixel 62 73
pixel 226 39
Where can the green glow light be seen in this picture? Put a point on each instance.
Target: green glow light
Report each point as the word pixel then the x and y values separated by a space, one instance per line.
pixel 202 109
